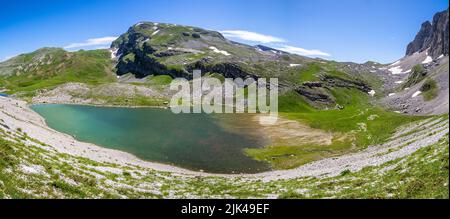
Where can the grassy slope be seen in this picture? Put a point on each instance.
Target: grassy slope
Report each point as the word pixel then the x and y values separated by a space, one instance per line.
pixel 48 68
pixel 424 174
pixel 309 73
pixel 160 80
pixel 355 127
pixel 90 67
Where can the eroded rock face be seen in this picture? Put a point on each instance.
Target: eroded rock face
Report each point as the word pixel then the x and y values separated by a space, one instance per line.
pixel 422 39
pixel 434 36
pixel 315 95
pixel 137 57
pixel 228 70
pixel 440 38
pixel 344 83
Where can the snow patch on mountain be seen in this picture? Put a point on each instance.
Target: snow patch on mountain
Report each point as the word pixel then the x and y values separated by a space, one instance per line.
pixel 396 70
pixel 214 49
pixel 427 60
pixel 417 93
pixel 156 32
pixel 113 53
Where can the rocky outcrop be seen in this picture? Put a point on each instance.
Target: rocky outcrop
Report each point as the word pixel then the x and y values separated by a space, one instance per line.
pixel 440 38
pixel 227 69
pixel 422 39
pixel 138 57
pixel 143 65
pixel 318 93
pixel 333 81
pixel 417 75
pixel 434 36
pixel 315 95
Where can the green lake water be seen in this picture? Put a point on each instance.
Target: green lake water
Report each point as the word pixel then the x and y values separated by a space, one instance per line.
pixel 193 141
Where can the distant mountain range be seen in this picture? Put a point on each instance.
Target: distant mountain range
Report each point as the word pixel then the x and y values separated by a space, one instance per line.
pixel 148 49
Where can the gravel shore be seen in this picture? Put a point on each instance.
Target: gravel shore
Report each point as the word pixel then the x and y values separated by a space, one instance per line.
pixel 16 115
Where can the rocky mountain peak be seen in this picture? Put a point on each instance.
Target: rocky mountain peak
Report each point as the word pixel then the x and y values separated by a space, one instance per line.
pixel 422 39
pixel 433 36
pixel 149 48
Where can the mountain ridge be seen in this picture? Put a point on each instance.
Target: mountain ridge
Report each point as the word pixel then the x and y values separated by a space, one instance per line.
pixel 150 49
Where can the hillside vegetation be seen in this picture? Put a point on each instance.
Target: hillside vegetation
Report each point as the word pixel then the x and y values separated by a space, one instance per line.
pixel 355 126
pixel 49 67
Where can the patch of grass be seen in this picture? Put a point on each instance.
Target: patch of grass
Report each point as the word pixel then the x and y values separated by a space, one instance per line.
pixel 67 188
pixel 418 73
pixel 429 89
pixel 215 75
pixel 6 154
pixel 350 97
pixel 130 57
pixel 345 172
pixel 288 157
pixel 292 102
pixel 339 74
pixel 135 100
pixel 347 120
pixel 309 73
pixel 160 80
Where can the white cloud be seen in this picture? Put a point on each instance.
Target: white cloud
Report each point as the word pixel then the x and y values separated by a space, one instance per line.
pixel 301 51
pixel 267 39
pixel 251 36
pixel 101 42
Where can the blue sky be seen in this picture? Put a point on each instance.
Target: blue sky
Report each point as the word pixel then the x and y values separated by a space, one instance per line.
pixel 344 30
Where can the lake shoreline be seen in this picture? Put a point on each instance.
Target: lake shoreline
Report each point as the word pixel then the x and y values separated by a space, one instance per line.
pixel 158 135
pixel 100 105
pixel 17 115
pixel 35 127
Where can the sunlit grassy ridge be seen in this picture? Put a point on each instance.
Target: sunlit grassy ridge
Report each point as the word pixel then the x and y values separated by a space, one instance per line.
pixel 48 68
